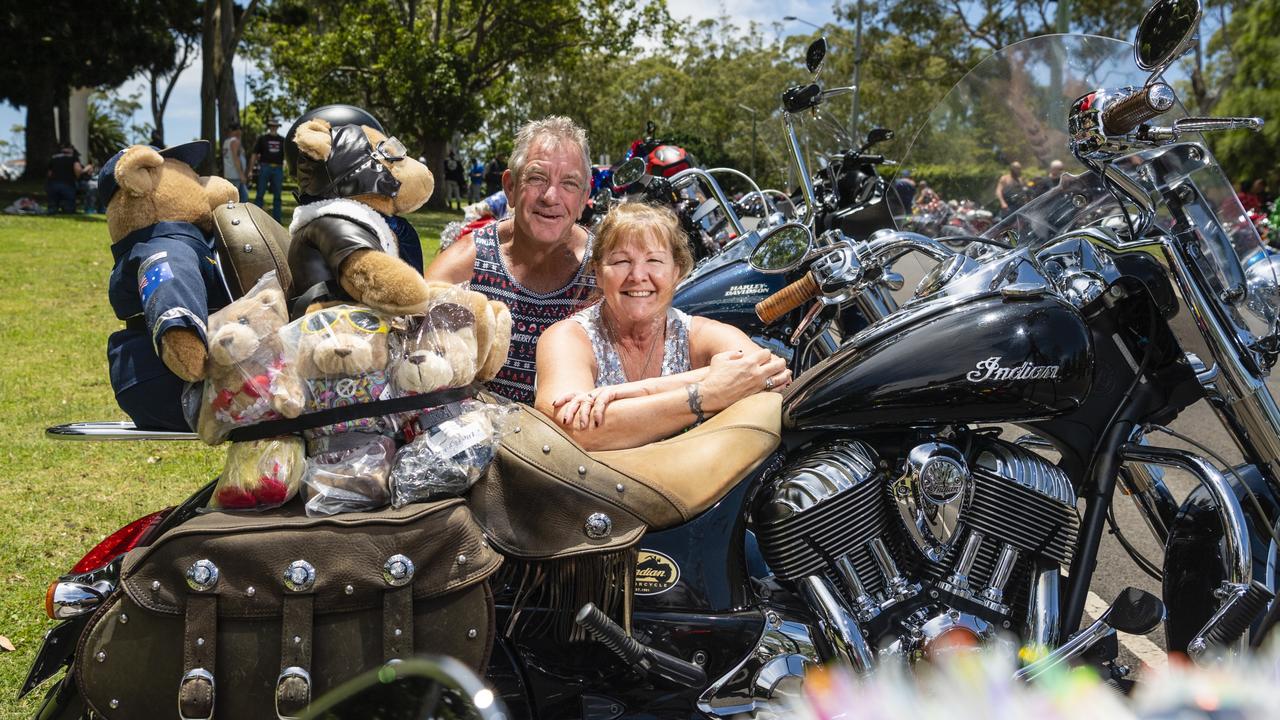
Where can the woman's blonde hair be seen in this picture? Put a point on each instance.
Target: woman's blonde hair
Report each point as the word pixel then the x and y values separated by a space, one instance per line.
pixel 629 218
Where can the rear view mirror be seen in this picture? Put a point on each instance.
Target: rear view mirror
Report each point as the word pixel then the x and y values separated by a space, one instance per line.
pixel 1164 33
pixel 814 56
pixel 879 135
pixel 628 172
pixel 782 248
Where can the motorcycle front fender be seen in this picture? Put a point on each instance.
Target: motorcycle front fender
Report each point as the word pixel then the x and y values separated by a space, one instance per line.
pixel 1194 566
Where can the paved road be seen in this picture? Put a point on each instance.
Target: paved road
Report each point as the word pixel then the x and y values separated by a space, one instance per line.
pixel 1115 569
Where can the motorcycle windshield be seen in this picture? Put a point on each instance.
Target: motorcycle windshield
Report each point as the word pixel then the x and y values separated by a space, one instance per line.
pixel 1013 107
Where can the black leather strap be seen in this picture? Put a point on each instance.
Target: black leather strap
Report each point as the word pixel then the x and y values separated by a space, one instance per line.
pixel 397 623
pixel 273 428
pixel 293 687
pixel 200 650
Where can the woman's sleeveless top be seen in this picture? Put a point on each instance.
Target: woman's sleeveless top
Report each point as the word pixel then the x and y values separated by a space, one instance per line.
pixel 531 312
pixel 675 351
pixel 228 164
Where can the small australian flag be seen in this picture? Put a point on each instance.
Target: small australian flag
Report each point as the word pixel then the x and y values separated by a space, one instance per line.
pixel 155 276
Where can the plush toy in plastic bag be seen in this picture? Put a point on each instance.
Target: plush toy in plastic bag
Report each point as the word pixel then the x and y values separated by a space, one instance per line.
pixel 342 355
pixel 260 474
pixel 450 448
pixel 249 376
pixel 348 473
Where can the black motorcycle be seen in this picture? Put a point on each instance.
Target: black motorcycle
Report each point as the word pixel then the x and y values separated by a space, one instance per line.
pixel 893 521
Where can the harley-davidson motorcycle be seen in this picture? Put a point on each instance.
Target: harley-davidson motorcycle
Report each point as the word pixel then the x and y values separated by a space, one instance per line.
pixel 893 522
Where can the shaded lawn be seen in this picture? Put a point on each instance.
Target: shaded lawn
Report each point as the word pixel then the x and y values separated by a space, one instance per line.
pixel 58 499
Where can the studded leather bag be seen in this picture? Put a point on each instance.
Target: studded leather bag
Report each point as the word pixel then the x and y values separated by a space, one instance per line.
pixel 250 244
pixel 253 615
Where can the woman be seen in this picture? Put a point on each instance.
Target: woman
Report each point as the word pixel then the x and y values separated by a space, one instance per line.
pixel 655 369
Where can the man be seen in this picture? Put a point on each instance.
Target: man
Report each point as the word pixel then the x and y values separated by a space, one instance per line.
pixel 1048 182
pixel 476 174
pixel 454 177
pixel 268 159
pixel 234 168
pixel 536 260
pixel 64 171
pixel 1009 190
pixel 493 174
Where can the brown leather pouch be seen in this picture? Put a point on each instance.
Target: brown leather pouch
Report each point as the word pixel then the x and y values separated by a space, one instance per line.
pixel 250 244
pixel 253 615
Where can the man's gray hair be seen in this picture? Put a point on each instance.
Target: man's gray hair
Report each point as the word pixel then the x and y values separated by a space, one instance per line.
pixel 553 130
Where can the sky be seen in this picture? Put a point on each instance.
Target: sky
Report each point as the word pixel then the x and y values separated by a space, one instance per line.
pixel 182 118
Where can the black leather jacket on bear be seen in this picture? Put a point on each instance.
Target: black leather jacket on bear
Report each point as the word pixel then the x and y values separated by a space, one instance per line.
pixel 324 234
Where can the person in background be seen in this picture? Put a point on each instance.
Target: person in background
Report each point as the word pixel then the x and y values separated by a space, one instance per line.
pixel 1048 182
pixel 476 174
pixel 64 171
pixel 268 161
pixel 89 189
pixel 631 369
pixel 1009 190
pixel 233 162
pixel 904 193
pixel 535 261
pixel 493 174
pixel 454 178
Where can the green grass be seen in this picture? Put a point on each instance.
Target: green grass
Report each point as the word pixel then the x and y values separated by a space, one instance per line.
pixel 58 499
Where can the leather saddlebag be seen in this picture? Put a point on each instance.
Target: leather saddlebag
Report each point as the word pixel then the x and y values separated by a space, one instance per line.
pixel 250 244
pixel 253 615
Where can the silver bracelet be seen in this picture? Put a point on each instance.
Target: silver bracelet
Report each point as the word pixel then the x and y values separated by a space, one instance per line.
pixel 695 401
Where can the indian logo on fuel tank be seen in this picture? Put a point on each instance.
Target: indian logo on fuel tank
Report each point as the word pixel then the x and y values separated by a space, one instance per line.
pixel 989 370
pixel 655 573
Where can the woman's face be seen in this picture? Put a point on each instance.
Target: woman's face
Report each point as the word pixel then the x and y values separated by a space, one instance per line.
pixel 550 193
pixel 638 278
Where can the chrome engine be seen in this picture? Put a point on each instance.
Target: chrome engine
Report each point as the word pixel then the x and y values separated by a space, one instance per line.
pixel 963 545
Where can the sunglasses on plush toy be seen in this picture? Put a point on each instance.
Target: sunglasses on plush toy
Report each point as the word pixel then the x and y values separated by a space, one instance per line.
pixel 362 320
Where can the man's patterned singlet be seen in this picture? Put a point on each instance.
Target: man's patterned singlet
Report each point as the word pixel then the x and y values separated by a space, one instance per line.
pixel 531 312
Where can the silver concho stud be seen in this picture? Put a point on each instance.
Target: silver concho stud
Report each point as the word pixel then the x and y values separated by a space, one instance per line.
pixel 202 575
pixel 300 576
pixel 397 570
pixel 598 526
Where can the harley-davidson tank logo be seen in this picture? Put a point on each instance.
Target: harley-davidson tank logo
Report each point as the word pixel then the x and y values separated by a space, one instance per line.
pixel 989 370
pixel 655 573
pixel 748 289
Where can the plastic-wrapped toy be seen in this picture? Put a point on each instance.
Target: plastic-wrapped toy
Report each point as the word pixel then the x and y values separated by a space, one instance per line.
pixel 260 474
pixel 342 357
pixel 450 450
pixel 249 378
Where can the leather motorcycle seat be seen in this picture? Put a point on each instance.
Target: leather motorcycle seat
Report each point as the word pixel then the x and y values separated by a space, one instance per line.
pixel 539 496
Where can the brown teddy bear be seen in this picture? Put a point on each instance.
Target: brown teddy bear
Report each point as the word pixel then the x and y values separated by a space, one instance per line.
pixel 461 338
pixel 165 279
pixel 355 181
pixel 249 378
pixel 342 354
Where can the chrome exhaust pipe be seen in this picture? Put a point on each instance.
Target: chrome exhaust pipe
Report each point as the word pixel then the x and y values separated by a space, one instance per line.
pixel 837 625
pixel 1043 610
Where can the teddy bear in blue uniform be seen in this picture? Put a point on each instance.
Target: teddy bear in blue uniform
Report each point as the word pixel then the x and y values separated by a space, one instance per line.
pixel 166 278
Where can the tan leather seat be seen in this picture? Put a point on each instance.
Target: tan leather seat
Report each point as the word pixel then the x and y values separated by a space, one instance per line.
pixel 543 492
pixel 695 469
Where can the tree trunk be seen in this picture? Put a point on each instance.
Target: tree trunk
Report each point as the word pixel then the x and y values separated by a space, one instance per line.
pixel 228 103
pixel 435 151
pixel 39 131
pixel 210 56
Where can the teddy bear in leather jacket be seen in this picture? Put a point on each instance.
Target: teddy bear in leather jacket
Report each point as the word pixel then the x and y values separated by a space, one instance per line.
pixel 355 181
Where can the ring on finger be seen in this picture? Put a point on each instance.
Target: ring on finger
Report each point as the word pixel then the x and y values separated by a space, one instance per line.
pixel 768 383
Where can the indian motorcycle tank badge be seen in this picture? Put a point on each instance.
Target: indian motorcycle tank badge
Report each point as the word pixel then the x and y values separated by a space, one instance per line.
pixel 656 573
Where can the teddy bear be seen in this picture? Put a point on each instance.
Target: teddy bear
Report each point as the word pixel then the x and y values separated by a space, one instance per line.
pixel 249 378
pixel 341 358
pixel 355 181
pixel 165 278
pixel 260 474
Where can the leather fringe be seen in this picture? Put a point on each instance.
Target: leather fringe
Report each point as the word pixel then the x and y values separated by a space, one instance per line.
pixel 548 594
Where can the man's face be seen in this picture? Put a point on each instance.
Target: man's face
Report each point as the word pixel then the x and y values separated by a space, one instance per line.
pixel 550 193
pixel 1015 170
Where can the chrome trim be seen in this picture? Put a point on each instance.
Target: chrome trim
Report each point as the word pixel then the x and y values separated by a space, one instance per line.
pixel 194 675
pixel 1071 649
pixel 716 193
pixel 958 582
pixel 290 673
pixel 865 606
pixel 1235 527
pixel 837 625
pixel 1043 609
pixel 931 507
pixel 1028 470
pixel 768 676
pixel 992 597
pixel 113 430
pixel 896 585
pixel 801 169
pixel 71 599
